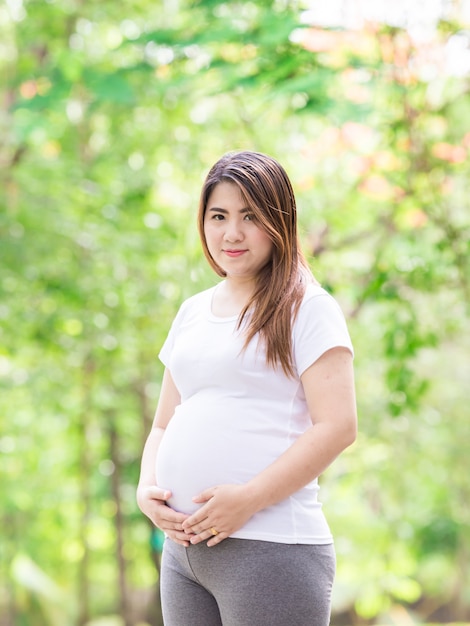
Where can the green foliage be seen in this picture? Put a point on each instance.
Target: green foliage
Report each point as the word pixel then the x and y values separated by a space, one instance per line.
pixel 111 115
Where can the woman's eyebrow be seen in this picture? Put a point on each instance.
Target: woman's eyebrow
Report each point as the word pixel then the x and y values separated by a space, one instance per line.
pixel 220 210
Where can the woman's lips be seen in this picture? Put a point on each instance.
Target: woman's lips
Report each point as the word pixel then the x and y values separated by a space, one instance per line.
pixel 234 253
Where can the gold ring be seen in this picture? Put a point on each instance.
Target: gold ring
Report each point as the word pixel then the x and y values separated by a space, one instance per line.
pixel 214 531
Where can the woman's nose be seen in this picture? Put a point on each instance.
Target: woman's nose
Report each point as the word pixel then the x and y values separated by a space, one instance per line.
pixel 233 231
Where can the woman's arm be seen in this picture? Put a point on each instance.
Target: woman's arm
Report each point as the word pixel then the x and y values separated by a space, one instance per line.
pixel 330 395
pixel 329 390
pixel 151 498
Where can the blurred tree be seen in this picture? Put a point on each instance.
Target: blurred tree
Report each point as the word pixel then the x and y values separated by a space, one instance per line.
pixel 111 115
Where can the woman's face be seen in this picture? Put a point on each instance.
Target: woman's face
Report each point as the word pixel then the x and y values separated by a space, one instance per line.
pixel 234 238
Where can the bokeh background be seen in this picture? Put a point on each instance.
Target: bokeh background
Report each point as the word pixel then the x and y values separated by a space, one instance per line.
pixel 111 115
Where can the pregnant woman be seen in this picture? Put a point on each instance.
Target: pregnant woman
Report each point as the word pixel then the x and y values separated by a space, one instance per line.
pixel 257 399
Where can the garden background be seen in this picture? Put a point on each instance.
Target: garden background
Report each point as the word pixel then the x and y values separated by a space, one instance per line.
pixel 111 114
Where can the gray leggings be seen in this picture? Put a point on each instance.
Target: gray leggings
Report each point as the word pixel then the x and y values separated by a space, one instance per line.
pixel 240 582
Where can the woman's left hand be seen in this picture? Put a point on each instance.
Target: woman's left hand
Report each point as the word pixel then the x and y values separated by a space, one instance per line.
pixel 225 509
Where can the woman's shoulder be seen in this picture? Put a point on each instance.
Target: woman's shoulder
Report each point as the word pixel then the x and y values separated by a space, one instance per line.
pixel 319 301
pixel 314 290
pixel 198 300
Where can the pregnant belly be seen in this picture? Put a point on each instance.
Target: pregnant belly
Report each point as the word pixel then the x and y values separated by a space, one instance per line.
pixel 212 449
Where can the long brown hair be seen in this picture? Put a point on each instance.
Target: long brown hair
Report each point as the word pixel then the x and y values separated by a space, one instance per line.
pixel 280 285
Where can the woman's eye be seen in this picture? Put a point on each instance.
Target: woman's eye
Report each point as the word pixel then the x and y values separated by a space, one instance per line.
pixel 218 217
pixel 249 217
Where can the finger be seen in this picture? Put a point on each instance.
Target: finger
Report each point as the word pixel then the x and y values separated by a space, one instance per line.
pixel 172 518
pixel 209 534
pixel 177 536
pixel 204 496
pixel 209 538
pixel 213 541
pixel 195 539
pixel 170 528
pixel 196 528
pixel 168 514
pixel 180 538
pixel 158 493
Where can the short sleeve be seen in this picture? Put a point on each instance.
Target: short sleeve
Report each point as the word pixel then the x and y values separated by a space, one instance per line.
pixel 319 327
pixel 167 348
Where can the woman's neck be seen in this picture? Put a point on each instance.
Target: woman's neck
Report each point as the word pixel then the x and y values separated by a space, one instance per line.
pixel 232 296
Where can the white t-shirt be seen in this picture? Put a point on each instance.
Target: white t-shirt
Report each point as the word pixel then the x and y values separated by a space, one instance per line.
pixel 237 415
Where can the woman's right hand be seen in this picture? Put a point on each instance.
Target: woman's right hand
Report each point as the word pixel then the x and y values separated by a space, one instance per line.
pixel 152 501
